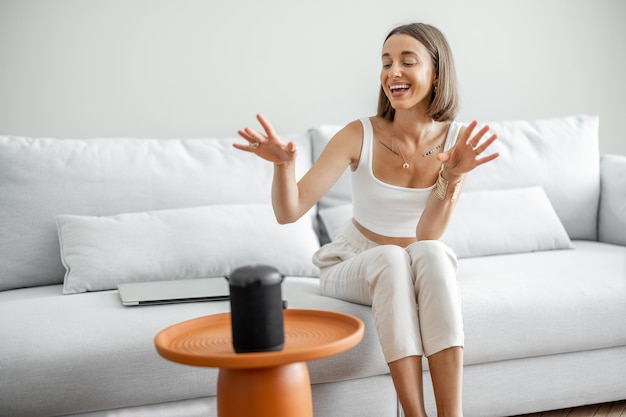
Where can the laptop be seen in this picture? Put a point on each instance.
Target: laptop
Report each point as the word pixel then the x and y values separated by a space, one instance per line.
pixel 177 291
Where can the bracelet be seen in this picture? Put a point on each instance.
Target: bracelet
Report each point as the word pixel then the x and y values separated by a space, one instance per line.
pixel 441 186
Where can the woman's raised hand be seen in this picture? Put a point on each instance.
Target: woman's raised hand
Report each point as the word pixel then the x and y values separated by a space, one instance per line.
pixel 268 146
pixel 464 155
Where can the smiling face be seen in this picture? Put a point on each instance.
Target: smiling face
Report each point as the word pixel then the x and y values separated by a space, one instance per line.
pixel 408 75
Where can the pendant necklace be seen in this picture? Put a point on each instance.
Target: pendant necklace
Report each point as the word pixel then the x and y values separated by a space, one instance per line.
pixel 406 165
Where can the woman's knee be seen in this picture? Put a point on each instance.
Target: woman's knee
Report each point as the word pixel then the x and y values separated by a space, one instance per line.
pixel 431 253
pixel 390 259
pixel 391 254
pixel 434 265
pixel 390 265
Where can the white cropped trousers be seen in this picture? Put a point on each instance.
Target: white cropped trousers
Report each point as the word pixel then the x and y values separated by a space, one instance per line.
pixel 413 291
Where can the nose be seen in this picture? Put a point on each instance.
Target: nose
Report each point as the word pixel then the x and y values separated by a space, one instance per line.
pixel 395 70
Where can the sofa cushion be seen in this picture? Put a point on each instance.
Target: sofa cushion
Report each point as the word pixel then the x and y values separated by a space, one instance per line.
pixel 332 219
pixel 201 242
pixel 41 178
pixel 489 222
pixel 612 217
pixel 77 353
pixel 514 306
pixel 493 222
pixel 341 192
pixel 559 154
pixel 543 303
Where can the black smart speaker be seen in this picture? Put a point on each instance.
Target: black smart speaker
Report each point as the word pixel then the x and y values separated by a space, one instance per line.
pixel 256 308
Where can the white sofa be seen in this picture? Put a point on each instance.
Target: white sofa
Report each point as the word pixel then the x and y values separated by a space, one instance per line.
pixel 540 234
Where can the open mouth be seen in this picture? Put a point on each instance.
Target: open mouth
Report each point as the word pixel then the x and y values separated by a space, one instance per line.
pixel 398 89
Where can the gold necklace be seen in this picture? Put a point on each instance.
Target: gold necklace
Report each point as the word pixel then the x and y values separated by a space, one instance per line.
pixel 406 165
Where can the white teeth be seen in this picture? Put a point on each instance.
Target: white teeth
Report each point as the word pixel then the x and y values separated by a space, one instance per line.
pixel 393 87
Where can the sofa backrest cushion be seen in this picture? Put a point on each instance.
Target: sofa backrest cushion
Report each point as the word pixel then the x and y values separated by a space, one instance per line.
pixel 340 193
pixel 561 155
pixel 41 178
pixel 612 217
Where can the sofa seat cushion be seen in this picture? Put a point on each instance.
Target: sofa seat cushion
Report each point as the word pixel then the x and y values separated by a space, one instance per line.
pixel 56 348
pixel 543 303
pixel 515 306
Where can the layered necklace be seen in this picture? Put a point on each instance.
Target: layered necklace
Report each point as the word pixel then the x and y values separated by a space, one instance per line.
pixel 406 164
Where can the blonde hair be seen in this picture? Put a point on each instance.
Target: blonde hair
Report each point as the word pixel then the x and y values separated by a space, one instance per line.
pixel 444 100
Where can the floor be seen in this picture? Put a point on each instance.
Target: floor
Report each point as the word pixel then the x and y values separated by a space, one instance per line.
pixel 617 409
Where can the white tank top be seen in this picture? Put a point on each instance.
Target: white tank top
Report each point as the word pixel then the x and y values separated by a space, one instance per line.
pixel 386 209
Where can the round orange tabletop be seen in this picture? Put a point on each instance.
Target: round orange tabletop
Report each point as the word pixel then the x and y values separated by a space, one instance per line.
pixel 261 384
pixel 309 335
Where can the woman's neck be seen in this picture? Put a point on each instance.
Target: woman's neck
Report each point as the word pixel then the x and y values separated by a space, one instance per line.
pixel 410 127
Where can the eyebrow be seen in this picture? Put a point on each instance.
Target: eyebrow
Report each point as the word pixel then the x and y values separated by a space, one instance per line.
pixel 403 53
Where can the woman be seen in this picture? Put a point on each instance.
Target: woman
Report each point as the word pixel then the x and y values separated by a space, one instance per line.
pixel 408 165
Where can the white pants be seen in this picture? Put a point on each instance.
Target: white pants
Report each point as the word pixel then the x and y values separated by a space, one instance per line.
pixel 413 291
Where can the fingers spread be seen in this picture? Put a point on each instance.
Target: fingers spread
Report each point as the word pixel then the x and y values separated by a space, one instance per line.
pixel 471 127
pixel 245 148
pixel 269 130
pixel 487 158
pixel 253 137
pixel 481 148
pixel 475 140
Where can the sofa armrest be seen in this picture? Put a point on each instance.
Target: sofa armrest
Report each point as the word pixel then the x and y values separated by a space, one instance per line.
pixel 612 213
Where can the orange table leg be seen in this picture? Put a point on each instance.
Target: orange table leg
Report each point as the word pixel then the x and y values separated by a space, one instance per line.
pixel 281 391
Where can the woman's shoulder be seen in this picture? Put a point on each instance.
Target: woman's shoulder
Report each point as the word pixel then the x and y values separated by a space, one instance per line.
pixel 354 129
pixel 375 121
pixel 348 141
pixel 350 131
pixel 379 122
pixel 378 125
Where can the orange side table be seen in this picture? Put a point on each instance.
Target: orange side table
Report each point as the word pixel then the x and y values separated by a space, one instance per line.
pixel 261 384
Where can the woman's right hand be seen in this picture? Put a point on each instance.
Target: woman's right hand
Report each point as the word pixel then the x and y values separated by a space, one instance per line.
pixel 268 146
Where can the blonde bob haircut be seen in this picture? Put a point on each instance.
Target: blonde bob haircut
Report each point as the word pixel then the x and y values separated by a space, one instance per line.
pixel 444 99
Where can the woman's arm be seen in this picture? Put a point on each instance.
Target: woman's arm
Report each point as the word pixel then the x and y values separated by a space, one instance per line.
pixel 457 163
pixel 292 199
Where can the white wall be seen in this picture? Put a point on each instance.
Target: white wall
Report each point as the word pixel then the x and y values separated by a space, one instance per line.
pixel 184 68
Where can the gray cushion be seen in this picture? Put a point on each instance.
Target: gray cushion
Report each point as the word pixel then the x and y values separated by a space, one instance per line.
pixel 612 218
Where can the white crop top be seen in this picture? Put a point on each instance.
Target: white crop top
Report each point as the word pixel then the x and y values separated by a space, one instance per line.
pixel 386 209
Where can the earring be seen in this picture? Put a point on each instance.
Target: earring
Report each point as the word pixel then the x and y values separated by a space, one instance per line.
pixel 433 93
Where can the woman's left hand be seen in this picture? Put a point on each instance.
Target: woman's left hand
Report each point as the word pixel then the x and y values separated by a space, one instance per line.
pixel 465 154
